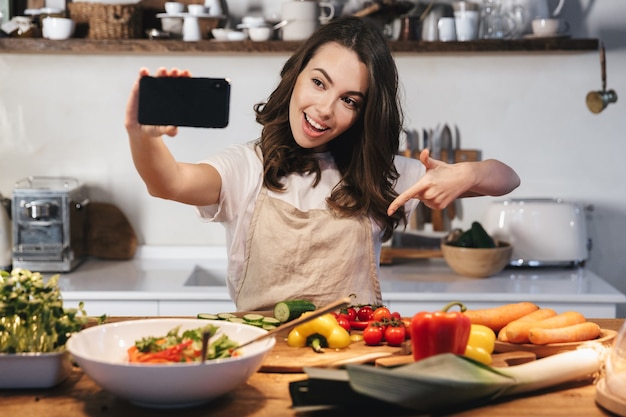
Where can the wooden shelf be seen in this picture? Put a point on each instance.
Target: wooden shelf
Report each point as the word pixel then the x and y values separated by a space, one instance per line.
pixel 156 47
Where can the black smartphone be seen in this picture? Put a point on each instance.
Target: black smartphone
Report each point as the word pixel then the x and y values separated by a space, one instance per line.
pixel 184 101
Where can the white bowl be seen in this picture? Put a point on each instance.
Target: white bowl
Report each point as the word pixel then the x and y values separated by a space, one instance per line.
pixel 101 352
pixel 260 34
pixel 220 34
pixel 33 370
pixel 173 7
pixel 57 28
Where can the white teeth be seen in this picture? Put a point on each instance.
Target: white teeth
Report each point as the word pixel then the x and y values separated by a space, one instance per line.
pixel 313 123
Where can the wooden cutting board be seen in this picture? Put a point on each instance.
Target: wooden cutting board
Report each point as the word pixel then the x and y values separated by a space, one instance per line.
pixel 110 235
pixel 287 359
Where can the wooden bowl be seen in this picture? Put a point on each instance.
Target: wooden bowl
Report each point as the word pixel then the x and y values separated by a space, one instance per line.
pixel 477 262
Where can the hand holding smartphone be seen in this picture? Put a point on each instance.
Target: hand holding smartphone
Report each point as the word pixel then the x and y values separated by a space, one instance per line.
pixel 184 101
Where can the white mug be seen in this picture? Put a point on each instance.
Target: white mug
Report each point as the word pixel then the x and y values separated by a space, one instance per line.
pixel 447 29
pixel 303 18
pixel 466 25
pixel 213 7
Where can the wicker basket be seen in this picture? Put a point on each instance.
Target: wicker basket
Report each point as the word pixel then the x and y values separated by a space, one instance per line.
pixel 107 21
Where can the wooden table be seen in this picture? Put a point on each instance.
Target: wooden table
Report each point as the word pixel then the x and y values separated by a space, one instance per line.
pixel 267 394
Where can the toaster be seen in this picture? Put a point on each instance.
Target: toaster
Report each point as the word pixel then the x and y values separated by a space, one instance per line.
pixel 542 231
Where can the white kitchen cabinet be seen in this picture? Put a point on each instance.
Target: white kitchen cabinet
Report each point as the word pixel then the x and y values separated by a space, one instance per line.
pixel 180 288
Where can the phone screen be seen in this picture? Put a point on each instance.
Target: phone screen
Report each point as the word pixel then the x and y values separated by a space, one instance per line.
pixel 184 101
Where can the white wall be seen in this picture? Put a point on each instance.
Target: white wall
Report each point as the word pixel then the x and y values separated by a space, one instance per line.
pixel 63 115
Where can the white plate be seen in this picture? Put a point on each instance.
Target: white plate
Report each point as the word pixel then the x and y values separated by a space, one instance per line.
pixel 33 370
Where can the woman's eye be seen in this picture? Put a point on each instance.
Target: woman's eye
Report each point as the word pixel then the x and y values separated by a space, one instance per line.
pixel 351 102
pixel 318 82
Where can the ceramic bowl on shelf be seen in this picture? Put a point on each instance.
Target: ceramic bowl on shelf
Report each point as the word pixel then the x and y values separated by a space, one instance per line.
pixel 260 33
pixel 57 28
pixel 477 262
pixel 101 352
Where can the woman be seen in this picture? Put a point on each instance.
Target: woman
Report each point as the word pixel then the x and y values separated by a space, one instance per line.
pixel 307 206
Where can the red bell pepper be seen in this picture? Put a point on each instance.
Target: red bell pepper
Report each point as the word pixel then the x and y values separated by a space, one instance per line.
pixel 440 332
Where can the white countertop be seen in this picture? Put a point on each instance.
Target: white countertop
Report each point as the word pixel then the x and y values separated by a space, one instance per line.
pixel 198 274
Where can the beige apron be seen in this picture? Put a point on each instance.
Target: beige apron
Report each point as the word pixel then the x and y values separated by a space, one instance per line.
pixel 312 255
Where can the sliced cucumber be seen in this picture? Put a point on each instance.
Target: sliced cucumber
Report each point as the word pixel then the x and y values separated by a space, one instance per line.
pixel 286 311
pixel 271 321
pixel 225 316
pixel 253 318
pixel 268 327
pixel 208 316
pixel 235 319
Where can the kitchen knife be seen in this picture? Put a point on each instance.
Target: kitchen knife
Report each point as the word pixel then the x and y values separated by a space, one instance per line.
pixel 447 144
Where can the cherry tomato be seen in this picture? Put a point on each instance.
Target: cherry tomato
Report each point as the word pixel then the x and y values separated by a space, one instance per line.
pixel 407 326
pixel 396 315
pixel 395 334
pixel 381 314
pixel 344 322
pixel 350 312
pixel 364 313
pixel 373 334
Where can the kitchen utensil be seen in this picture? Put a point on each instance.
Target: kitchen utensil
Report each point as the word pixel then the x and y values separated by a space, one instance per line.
pixel 49 216
pixel 466 19
pixel 446 28
pixel 598 100
pixel 542 231
pixel 206 335
pixel 430 23
pixel 109 233
pixel 303 18
pixel 344 302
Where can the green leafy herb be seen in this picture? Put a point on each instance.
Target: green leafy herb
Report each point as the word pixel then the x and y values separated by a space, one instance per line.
pixel 32 317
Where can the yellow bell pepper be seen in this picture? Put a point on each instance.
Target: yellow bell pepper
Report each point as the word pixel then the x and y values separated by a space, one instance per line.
pixel 481 343
pixel 323 331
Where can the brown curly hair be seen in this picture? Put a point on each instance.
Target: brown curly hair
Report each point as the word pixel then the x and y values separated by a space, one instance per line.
pixel 363 154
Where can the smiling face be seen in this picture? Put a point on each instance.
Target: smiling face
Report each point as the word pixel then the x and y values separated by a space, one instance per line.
pixel 328 96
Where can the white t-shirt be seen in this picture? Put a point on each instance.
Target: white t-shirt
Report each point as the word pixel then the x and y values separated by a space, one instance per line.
pixel 241 170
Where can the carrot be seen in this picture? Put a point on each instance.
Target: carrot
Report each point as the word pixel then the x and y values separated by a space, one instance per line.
pixel 574 333
pixel 497 317
pixel 541 314
pixel 518 332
